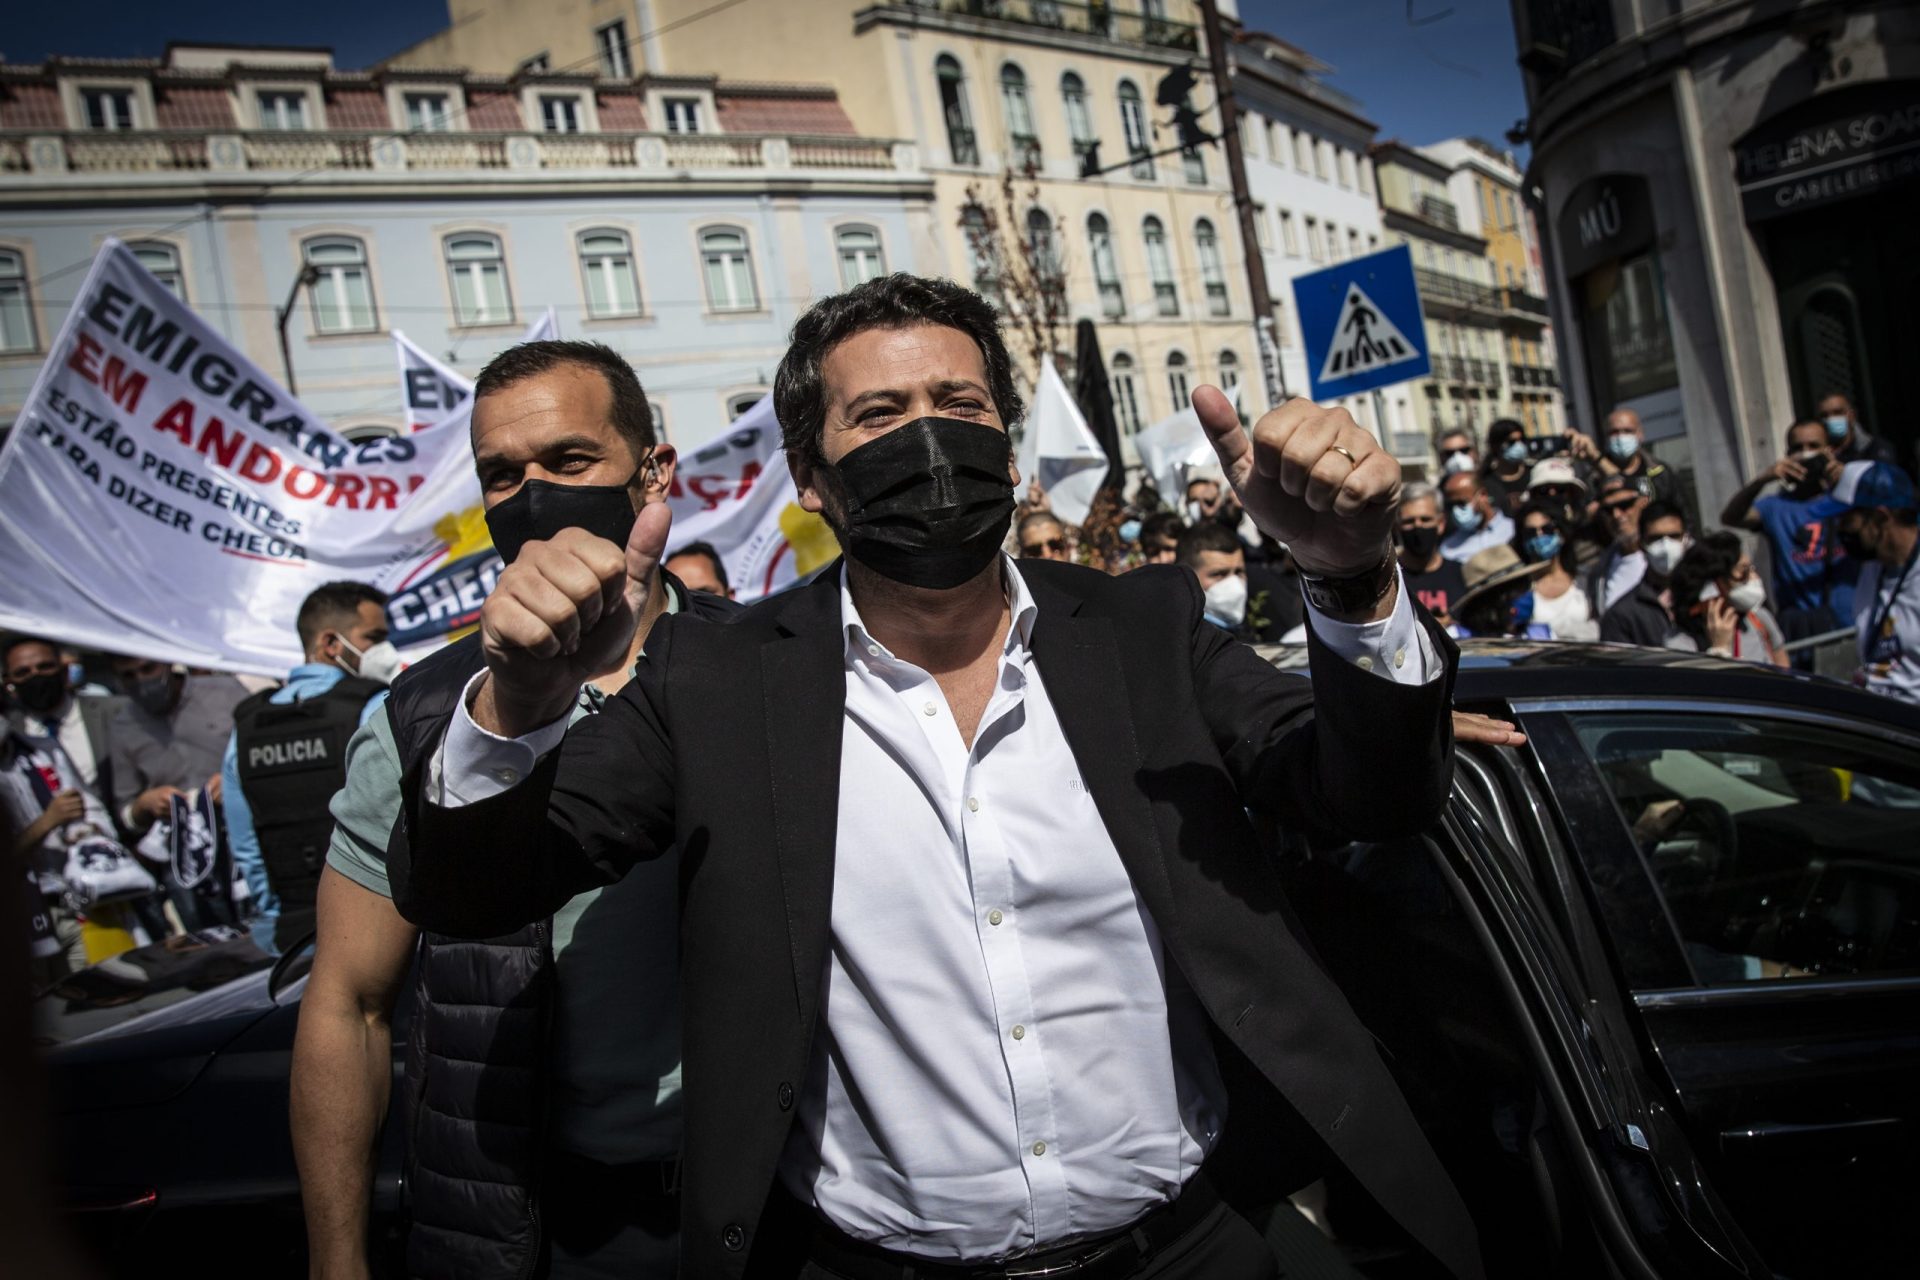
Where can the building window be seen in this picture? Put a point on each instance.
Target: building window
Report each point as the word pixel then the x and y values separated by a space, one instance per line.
pixel 1073 93
pixel 1262 233
pixel 1322 169
pixel 1276 144
pixel 1353 243
pixel 610 42
pixel 606 264
pixel 982 254
pixel 740 404
pixel 1018 109
pixel 109 109
pixel 1126 398
pixel 1366 176
pixel 860 256
pixel 1346 169
pixel 1303 152
pixel 282 109
pixel 1250 132
pixel 1160 267
pixel 479 274
pixel 1044 257
pixel 16 305
pixel 961 146
pixel 535 65
pixel 343 293
pixel 729 270
pixel 1177 381
pixel 1133 127
pixel 1289 238
pixel 162 262
pixel 1314 250
pixel 559 113
pixel 428 113
pixel 1230 378
pixel 1206 245
pixel 683 114
pixel 1106 270
pixel 1194 163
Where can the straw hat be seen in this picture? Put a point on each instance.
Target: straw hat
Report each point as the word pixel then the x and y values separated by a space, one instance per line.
pixel 1492 569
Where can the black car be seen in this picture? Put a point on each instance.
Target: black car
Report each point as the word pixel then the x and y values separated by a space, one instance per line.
pixel 1652 985
pixel 169 1069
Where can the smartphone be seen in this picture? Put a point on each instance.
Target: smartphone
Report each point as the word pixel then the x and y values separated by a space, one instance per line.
pixel 1552 446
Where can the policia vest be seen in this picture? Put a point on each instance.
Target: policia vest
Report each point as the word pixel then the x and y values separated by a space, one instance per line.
pixel 293 757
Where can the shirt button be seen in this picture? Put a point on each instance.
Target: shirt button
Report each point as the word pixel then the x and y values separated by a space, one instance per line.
pixel 1019 1032
pixel 1039 1148
pixel 1365 664
pixel 873 650
pixel 1399 658
pixel 931 709
pixel 733 1237
pixel 508 776
pixel 973 804
pixel 994 916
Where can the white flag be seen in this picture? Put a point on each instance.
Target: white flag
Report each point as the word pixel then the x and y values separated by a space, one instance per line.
pixel 1173 448
pixel 162 495
pixel 434 392
pixel 1059 450
pixel 735 494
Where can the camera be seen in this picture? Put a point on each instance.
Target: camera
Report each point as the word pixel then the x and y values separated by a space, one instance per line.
pixel 1553 446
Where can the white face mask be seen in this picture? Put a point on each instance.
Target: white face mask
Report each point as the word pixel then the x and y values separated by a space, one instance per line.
pixel 1747 596
pixel 377 661
pixel 1458 462
pixel 1227 600
pixel 1664 553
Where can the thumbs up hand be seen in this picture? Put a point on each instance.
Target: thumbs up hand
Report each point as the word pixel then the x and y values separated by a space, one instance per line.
pixel 1311 478
pixel 563 612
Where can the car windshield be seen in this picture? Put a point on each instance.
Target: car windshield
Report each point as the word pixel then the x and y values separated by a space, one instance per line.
pixel 1782 848
pixel 138 983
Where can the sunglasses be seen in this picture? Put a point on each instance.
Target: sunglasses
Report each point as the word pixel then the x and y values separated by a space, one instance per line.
pixel 1621 508
pixel 1032 549
pixel 1534 529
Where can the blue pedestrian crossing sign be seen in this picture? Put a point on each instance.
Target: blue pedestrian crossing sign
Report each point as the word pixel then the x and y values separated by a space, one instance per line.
pixel 1361 324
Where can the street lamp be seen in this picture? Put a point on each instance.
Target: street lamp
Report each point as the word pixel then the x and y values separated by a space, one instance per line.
pixel 308 275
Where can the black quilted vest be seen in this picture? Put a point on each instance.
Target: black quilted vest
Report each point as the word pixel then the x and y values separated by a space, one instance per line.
pixel 477 1047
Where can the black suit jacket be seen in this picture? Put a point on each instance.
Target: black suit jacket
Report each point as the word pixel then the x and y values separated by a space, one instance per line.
pixel 728 744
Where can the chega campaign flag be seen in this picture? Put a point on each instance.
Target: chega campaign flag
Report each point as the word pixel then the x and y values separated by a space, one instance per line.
pixel 1173 448
pixel 434 392
pixel 736 494
pixel 1059 450
pixel 162 495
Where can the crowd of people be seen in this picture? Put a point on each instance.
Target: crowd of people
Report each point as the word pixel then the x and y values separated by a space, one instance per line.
pixel 726 827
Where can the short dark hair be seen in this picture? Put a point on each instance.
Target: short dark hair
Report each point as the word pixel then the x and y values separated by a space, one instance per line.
pixel 1033 518
pixel 1656 511
pixel 333 605
pixel 1208 535
pixel 632 415
pixel 713 557
pixel 1815 423
pixel 1502 428
pixel 1163 526
pixel 886 302
pixel 14 641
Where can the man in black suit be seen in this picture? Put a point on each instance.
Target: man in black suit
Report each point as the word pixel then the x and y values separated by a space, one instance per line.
pixel 985 972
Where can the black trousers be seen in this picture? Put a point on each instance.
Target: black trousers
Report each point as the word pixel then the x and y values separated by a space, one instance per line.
pixel 607 1222
pixel 1221 1246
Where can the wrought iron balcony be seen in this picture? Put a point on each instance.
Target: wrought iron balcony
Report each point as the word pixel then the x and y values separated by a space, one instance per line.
pixel 1439 291
pixel 1097 21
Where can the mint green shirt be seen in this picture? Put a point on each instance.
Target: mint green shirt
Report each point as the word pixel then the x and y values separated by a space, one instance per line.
pixel 616 1036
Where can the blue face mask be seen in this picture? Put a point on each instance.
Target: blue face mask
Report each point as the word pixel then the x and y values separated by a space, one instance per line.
pixel 1516 450
pixel 1838 426
pixel 1129 531
pixel 1523 612
pixel 1466 517
pixel 1543 546
pixel 1623 447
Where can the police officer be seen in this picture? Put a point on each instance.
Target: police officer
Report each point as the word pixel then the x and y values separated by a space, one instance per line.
pixel 288 755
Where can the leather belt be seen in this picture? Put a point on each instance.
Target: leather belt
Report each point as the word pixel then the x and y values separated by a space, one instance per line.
pixel 1106 1257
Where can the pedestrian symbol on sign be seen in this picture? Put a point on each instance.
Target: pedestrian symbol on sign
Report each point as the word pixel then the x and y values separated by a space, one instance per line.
pixel 1364 339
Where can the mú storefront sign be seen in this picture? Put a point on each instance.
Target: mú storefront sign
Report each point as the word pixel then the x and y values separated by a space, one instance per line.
pixel 1851 142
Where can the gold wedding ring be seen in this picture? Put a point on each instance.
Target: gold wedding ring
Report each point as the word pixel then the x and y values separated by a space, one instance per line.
pixel 1343 453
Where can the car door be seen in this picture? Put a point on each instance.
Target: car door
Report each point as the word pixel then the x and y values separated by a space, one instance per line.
pixel 1757 870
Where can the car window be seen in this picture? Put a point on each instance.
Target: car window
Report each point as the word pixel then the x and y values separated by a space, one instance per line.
pixel 1782 849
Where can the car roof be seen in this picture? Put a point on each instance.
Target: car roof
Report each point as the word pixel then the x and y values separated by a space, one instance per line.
pixel 1514 670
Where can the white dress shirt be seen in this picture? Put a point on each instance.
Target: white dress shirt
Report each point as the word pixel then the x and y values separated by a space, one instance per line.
pixel 1005 1061
pixel 1623 574
pixel 1463 547
pixel 70 731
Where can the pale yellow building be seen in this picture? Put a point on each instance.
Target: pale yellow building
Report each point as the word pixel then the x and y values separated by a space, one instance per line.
pixel 1151 252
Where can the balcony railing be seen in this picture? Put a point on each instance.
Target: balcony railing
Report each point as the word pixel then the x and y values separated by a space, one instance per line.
pixel 1026 151
pixel 1099 21
pixel 1525 303
pixel 1535 375
pixel 1439 290
pixel 960 140
pixel 1439 212
pixel 213 154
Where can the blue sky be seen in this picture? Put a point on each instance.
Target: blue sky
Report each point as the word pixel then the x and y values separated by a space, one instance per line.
pixel 1437 69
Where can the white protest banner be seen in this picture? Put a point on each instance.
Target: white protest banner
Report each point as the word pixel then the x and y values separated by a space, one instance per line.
pixel 736 495
pixel 1059 450
pixel 434 392
pixel 161 495
pixel 1173 447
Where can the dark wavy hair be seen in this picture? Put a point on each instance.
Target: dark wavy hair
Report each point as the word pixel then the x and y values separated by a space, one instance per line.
pixel 889 302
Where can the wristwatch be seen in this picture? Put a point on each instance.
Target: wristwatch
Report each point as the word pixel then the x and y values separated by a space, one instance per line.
pixel 1352 593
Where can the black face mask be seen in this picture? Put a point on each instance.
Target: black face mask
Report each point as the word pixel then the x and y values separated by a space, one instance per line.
pixel 928 503
pixel 1420 542
pixel 541 509
pixel 1854 545
pixel 41 693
